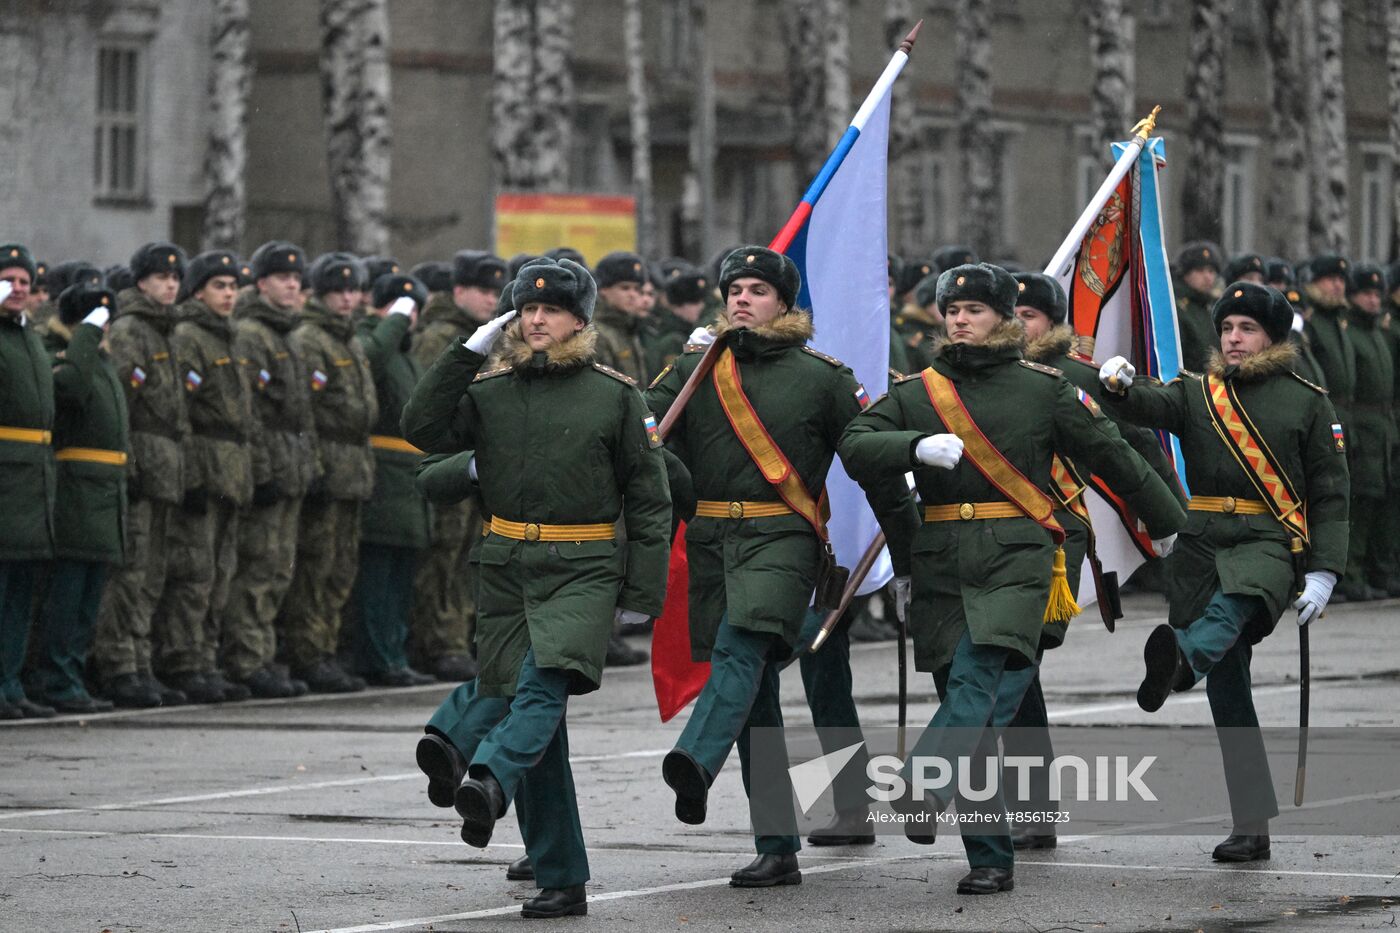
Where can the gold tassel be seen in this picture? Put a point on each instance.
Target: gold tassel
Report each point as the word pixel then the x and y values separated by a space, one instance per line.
pixel 1061 607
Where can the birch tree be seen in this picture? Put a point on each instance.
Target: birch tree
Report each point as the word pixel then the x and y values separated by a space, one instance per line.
pixel 1392 60
pixel 698 196
pixel 1327 128
pixel 1111 97
pixel 906 202
pixel 1204 190
pixel 554 91
pixel 835 16
pixel 226 155
pixel 979 216
pixel 634 48
pixel 806 86
pixel 355 105
pixel 1285 220
pixel 532 93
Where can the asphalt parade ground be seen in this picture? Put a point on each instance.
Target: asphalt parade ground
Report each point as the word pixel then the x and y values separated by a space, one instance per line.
pixel 310 815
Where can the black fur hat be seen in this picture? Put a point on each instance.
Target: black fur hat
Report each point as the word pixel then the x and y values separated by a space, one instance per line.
pixel 760 262
pixel 1043 293
pixel 157 257
pixel 615 268
pixel 337 272
pixel 989 284
pixel 1266 305
pixel 207 265
pixel 76 301
pixel 278 256
pixel 1198 255
pixel 564 283
pixel 394 285
pixel 479 269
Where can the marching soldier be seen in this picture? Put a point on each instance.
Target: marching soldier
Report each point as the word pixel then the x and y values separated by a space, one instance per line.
pixel 758 439
pixel 1326 330
pixel 1372 434
pixel 563 447
pixel 1260 528
pixel 26 423
pixel 1197 286
pixel 620 278
pixel 989 573
pixel 444 610
pixel 139 343
pixel 394 522
pixel 1042 307
pixel 203 541
pixel 285 462
pixel 90 440
pixel 344 408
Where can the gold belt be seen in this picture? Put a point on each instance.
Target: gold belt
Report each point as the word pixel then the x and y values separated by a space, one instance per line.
pixel 532 531
pixel 708 509
pixel 971 511
pixel 26 435
pixel 1229 505
pixel 388 442
pixel 92 455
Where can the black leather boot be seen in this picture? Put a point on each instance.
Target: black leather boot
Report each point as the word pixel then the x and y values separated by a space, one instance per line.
pixel 987 881
pixel 848 829
pixel 1239 847
pixel 1163 659
pixel 920 820
pixel 556 902
pixel 444 766
pixel 130 691
pixel 520 870
pixel 688 778
pixel 767 871
pixel 480 802
pixel 1023 839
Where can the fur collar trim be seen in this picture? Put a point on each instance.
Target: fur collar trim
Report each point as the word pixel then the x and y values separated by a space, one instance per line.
pixel 1319 300
pixel 578 351
pixel 1006 336
pixel 1271 361
pixel 59 329
pixel 1057 342
pixel 793 327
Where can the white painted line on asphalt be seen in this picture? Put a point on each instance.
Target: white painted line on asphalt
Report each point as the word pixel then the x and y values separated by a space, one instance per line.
pixel 1065 713
pixel 287 788
pixel 609 896
pixel 1260 869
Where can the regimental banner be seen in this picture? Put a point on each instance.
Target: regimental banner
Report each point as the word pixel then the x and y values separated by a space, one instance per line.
pixel 593 224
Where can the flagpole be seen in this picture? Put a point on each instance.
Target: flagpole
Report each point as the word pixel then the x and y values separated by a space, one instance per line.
pixel 1141 132
pixel 803 211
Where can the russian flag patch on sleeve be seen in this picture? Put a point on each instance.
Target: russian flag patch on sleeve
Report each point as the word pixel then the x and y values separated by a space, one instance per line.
pixel 1338 438
pixel 653 432
pixel 138 377
pixel 862 396
pixel 318 380
pixel 192 380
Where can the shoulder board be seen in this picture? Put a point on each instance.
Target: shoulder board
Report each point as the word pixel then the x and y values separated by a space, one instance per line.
pixel 609 371
pixel 1041 368
pixel 822 356
pixel 909 378
pixel 1189 374
pixel 695 348
pixel 1086 360
pixel 499 371
pixel 1316 388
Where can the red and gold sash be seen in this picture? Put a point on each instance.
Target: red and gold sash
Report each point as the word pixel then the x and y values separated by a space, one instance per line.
pixel 1068 490
pixel 1012 483
pixel 775 467
pixel 1242 439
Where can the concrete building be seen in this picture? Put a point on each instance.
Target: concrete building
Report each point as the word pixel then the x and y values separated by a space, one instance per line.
pixel 101 133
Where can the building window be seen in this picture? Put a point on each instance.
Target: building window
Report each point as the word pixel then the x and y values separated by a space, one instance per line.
pixel 1374 198
pixel 1091 168
pixel 119 159
pixel 1237 208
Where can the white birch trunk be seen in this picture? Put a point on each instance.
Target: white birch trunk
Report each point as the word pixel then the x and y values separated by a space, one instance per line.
pixel 1392 60
pixel 698 197
pixel 370 235
pixel 634 49
pixel 554 92
pixel 906 196
pixel 512 107
pixel 806 86
pixel 1285 220
pixel 226 158
pixel 1204 190
pixel 979 216
pixel 1111 97
pixel 835 17
pixel 1327 215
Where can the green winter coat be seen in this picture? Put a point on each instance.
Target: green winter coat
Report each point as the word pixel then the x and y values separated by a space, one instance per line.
pixel 218 451
pixel 90 508
pixel 1055 349
pixel 445 479
pixel 761 571
pixel 559 440
pixel 396 515
pixel 991 578
pixel 916 334
pixel 342 400
pixel 1249 554
pixel 284 438
pixel 440 323
pixel 1193 321
pixel 1332 348
pixel 27 403
pixel 139 344
pixel 1371 432
pixel 620 341
pixel 663 337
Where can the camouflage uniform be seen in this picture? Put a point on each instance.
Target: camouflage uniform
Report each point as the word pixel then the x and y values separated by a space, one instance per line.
pixel 203 542
pixel 139 347
pixel 443 622
pixel 620 341
pixel 328 544
pixel 283 456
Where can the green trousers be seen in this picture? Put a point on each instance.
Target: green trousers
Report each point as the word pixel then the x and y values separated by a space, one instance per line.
pixel 443 620
pixel 328 549
pixel 741 695
pixel 975 690
pixel 202 558
pixel 1368 541
pixel 383 596
pixel 523 742
pixel 826 677
pixel 122 643
pixel 17 581
pixel 66 624
pixel 267 543
pixel 1217 649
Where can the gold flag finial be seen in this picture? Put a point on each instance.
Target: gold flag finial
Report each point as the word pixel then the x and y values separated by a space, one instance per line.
pixel 1145 126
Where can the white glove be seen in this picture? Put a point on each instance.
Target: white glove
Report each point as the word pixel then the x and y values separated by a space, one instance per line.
pixel 902 586
pixel 98 316
pixel 402 306
pixel 1118 369
pixel 487 334
pixel 939 450
pixel 471 469
pixel 701 335
pixel 1163 546
pixel 628 617
pixel 1317 590
pixel 1297 323
pixel 5 288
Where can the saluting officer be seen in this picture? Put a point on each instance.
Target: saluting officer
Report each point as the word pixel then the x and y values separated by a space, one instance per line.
pixel 1260 529
pixel 564 447
pixel 980 428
